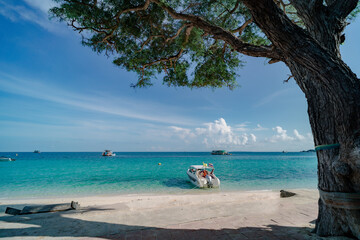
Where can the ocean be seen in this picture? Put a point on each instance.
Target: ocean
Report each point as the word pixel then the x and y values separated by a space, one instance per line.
pixel 51 174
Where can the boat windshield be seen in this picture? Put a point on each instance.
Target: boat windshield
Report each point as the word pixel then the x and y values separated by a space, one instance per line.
pixel 201 167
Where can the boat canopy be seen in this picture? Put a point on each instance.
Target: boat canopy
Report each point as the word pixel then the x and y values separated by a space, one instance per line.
pixel 200 167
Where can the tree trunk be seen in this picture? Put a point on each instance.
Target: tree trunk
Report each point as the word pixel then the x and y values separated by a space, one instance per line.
pixel 334 118
pixel 332 91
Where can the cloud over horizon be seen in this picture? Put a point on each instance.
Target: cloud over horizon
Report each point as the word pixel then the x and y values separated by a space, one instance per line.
pixel 217 134
pixel 281 135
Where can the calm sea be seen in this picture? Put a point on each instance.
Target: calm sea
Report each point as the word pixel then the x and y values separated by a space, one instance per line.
pixel 73 174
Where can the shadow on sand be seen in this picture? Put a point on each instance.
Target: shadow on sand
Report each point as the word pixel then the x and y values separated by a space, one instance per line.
pixel 63 224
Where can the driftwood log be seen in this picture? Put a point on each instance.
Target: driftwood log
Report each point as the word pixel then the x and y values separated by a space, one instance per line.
pixel 43 208
pixel 12 211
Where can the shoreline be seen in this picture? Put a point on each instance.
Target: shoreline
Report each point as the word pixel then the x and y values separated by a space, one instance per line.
pixel 190 191
pixel 236 213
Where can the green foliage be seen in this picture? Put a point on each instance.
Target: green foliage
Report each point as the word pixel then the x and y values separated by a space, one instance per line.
pixel 252 34
pixel 150 42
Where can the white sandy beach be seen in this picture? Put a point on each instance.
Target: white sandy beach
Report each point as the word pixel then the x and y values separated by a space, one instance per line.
pixel 221 215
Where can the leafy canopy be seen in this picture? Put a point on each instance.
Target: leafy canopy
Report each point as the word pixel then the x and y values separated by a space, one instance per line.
pixel 144 36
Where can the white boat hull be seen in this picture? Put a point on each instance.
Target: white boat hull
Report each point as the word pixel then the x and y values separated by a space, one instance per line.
pixel 201 182
pixel 6 159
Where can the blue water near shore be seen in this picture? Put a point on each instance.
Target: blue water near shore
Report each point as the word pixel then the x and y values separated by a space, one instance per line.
pixel 74 174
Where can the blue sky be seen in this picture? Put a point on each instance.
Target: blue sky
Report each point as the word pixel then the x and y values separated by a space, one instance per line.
pixel 56 95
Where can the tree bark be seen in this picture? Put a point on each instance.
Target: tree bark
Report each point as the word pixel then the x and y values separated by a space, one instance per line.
pixel 332 91
pixel 339 168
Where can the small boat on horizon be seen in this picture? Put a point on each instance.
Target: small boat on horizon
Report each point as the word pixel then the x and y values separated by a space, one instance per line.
pixel 36 151
pixel 6 159
pixel 108 153
pixel 203 176
pixel 220 152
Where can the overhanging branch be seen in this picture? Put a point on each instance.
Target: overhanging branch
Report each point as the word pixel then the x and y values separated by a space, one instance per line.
pixel 222 34
pixel 196 21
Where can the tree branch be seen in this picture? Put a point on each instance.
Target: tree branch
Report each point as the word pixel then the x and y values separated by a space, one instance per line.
pixel 138 8
pixel 281 4
pixel 306 6
pixel 174 57
pixel 209 29
pixel 298 46
pixel 287 80
pixel 222 34
pixel 235 7
pixel 325 23
pixel 190 6
pixel 342 8
pixel 242 27
pixel 148 40
pixel 177 33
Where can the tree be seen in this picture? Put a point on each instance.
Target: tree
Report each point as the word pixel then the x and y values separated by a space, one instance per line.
pixel 200 43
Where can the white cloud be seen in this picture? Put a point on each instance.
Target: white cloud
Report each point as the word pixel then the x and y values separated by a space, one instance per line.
pixel 244 139
pixel 259 128
pixel 116 106
pixel 281 135
pixel 183 133
pixel 253 137
pixel 217 134
pixel 298 136
pixel 36 12
pixel 241 127
pixel 42 5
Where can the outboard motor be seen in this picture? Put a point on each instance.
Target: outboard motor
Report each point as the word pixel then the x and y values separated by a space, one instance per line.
pixel 209 181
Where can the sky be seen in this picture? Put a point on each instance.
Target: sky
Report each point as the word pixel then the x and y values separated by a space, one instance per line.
pixel 59 96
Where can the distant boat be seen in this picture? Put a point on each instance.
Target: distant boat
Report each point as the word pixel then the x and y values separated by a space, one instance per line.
pixel 200 176
pixel 220 152
pixel 36 151
pixel 6 159
pixel 108 153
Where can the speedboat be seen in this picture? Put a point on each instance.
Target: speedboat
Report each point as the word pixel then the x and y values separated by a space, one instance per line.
pixel 108 153
pixel 6 159
pixel 203 176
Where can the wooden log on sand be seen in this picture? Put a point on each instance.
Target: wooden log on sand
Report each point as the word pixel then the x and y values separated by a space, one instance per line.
pixel 50 208
pixel 12 211
pixel 43 208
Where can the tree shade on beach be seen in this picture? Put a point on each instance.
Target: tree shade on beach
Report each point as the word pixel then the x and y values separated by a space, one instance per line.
pixel 199 44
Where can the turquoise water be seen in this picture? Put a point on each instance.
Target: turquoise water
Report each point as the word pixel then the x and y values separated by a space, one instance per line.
pixel 70 174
